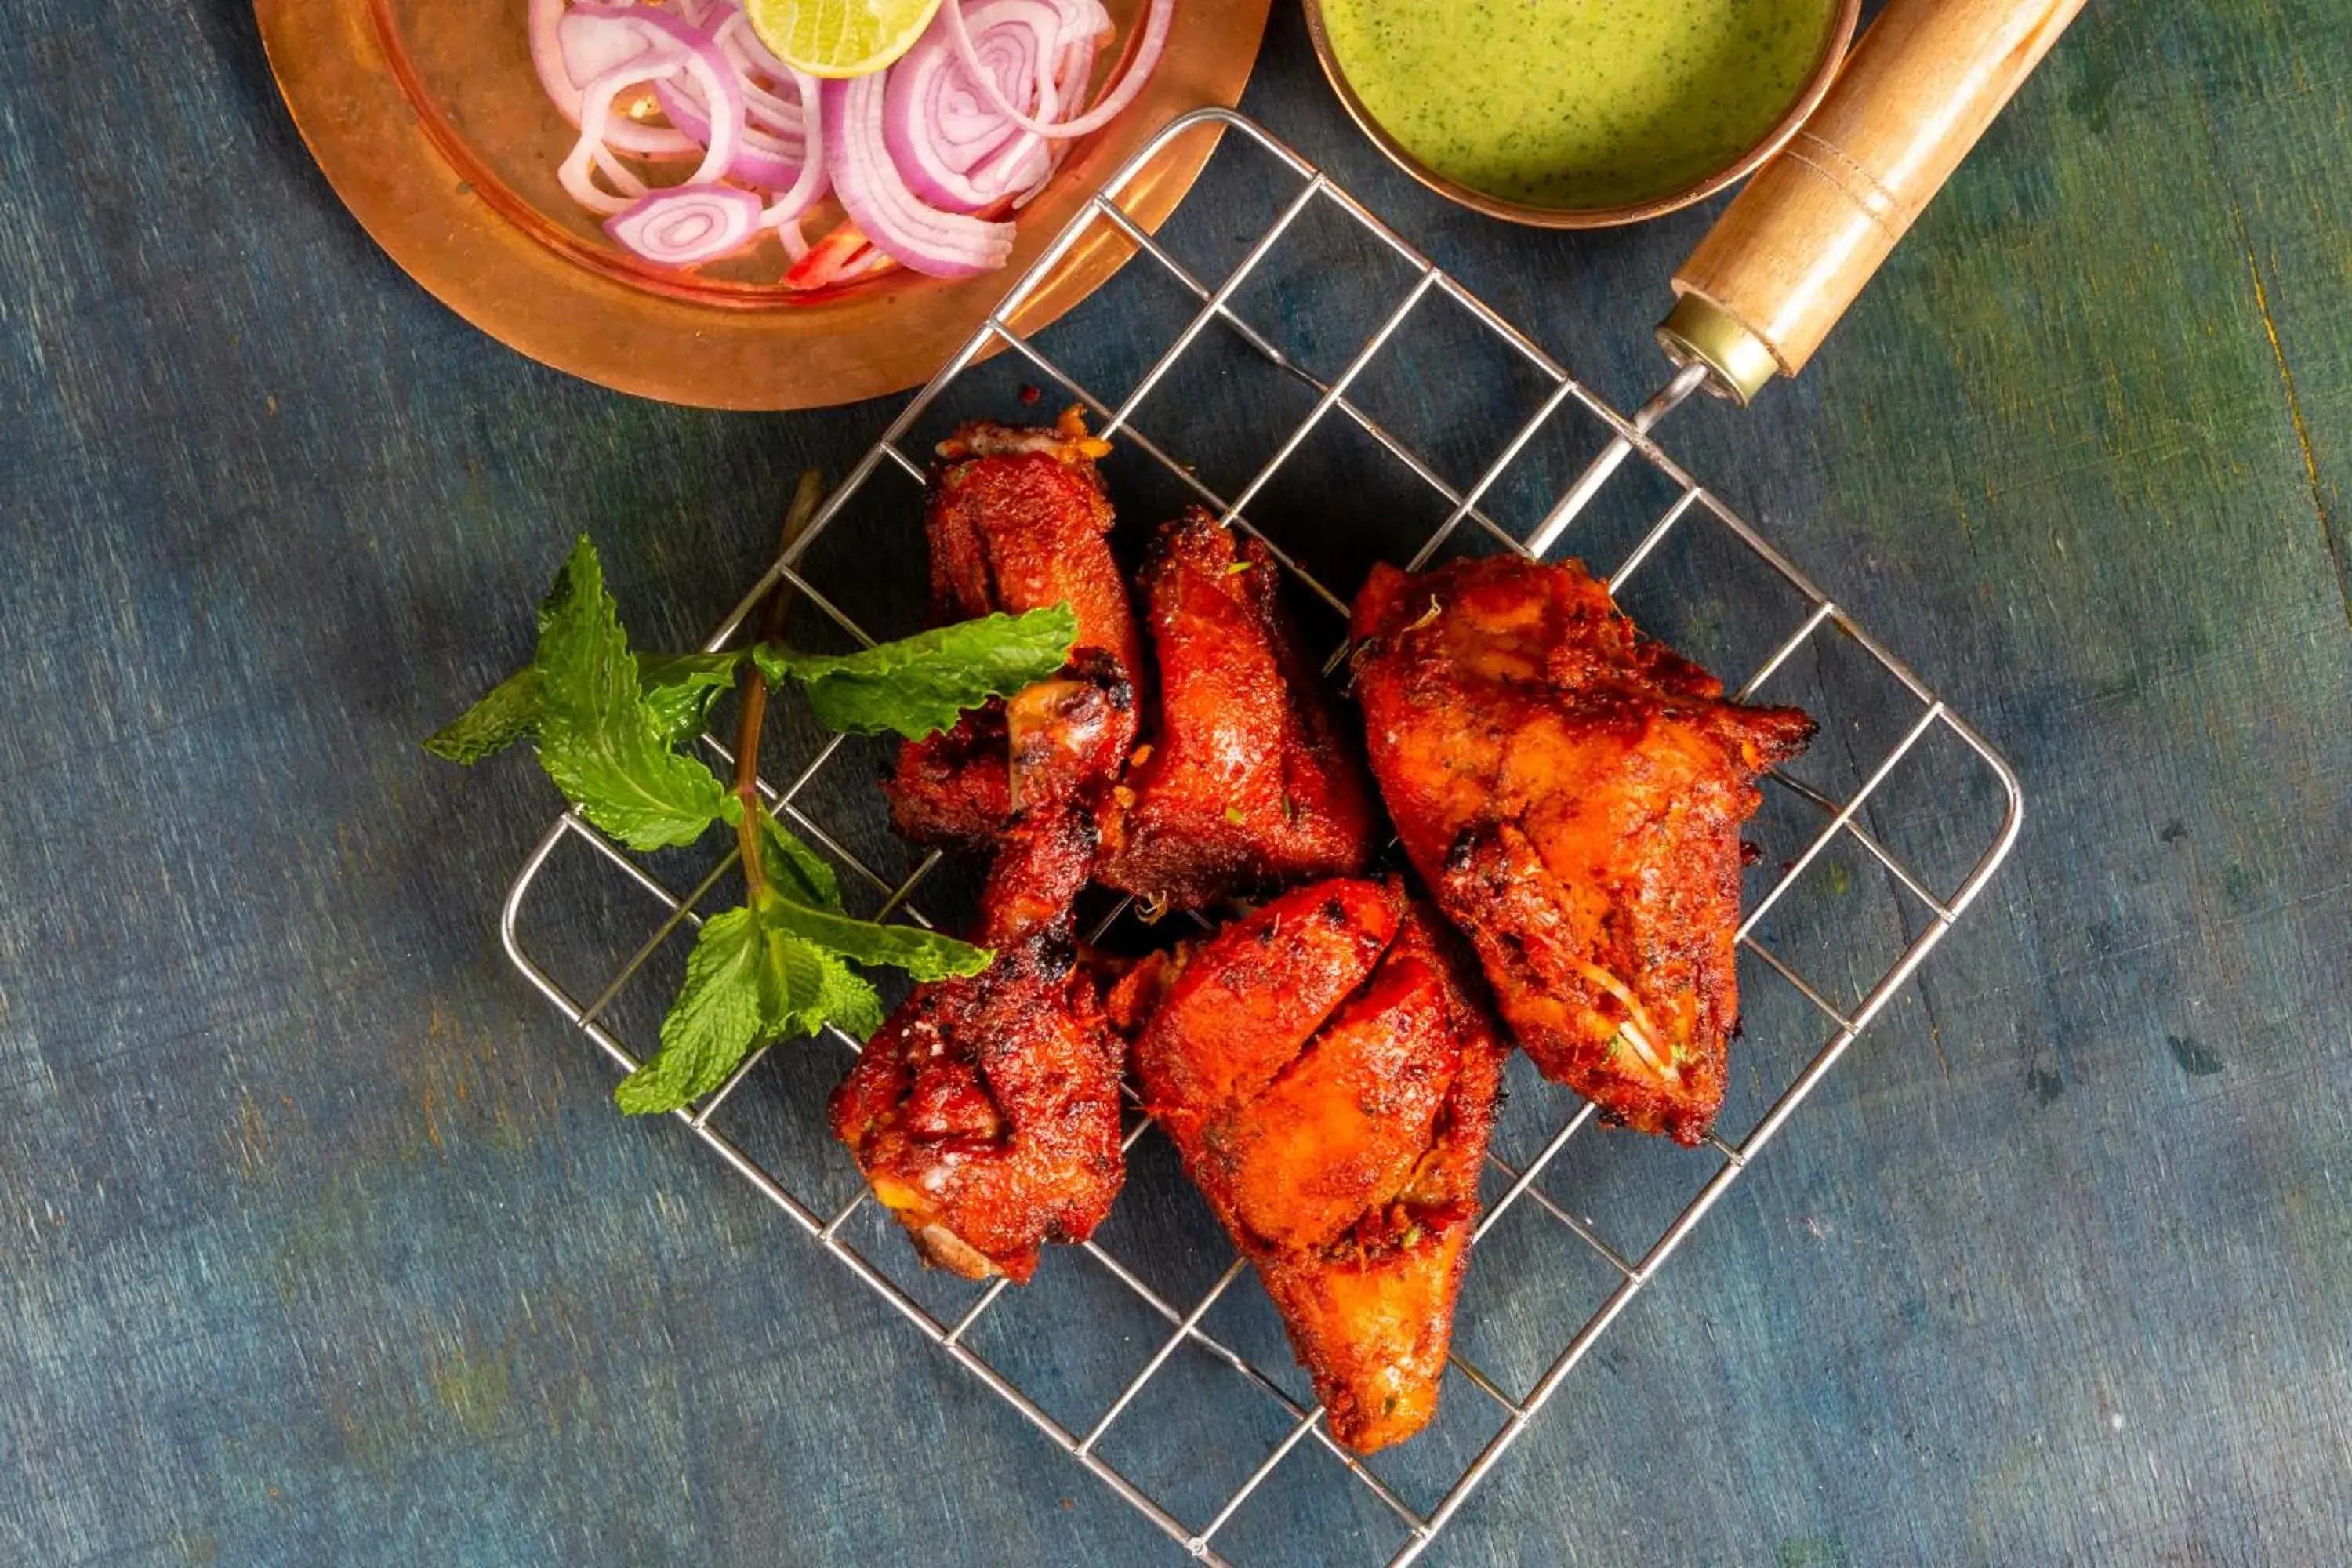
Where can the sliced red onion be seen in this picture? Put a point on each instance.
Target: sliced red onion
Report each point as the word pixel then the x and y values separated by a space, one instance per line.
pixel 1147 55
pixel 953 150
pixel 1086 20
pixel 764 160
pixel 755 68
pixel 923 237
pixel 969 127
pixel 555 77
pixel 1078 68
pixel 784 139
pixel 762 109
pixel 1070 79
pixel 599 30
pixel 789 118
pixel 600 39
pixel 816 180
pixel 744 41
pixel 1028 162
pixel 668 47
pixel 687 225
pixel 1018 37
pixel 775 134
pixel 589 154
pixel 1084 24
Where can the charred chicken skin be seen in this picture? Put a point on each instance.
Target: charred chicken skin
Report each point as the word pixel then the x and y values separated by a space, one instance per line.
pixel 1329 1078
pixel 1247 783
pixel 1572 794
pixel 985 1114
pixel 1016 522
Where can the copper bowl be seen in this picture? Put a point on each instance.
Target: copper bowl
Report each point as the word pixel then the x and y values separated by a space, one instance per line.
pixel 1817 87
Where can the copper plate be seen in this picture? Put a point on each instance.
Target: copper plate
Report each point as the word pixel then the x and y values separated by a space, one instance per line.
pixel 414 180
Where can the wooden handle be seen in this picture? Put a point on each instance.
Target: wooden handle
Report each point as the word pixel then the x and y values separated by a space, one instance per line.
pixel 1792 253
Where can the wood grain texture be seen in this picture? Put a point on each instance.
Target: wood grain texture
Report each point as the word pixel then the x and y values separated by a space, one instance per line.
pixel 321 1244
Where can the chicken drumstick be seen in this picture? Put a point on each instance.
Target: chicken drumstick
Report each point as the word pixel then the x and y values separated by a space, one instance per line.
pixel 1329 1078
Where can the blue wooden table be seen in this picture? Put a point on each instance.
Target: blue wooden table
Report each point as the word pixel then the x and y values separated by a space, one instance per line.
pixel 322 1245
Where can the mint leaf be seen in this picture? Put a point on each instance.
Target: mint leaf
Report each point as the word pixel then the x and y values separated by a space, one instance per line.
pixel 848 1000
pixel 923 954
pixel 720 1013
pixel 796 870
pixel 750 979
pixel 680 688
pixel 598 739
pixel 920 684
pixel 506 715
pixel 820 989
pixel 798 970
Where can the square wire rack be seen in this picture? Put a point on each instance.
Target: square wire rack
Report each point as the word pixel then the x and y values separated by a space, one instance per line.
pixel 1836 971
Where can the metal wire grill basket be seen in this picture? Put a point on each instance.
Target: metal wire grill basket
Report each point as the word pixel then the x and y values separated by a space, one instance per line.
pixel 1359 430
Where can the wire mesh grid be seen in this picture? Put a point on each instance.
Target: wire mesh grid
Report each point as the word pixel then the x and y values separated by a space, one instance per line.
pixel 1815 973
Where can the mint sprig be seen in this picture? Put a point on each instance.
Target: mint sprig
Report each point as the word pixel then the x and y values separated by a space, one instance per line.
pixel 608 725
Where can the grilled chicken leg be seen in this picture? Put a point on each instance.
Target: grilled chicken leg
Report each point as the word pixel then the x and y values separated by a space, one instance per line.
pixel 1574 796
pixel 1330 1082
pixel 1016 522
pixel 1247 783
pixel 986 1112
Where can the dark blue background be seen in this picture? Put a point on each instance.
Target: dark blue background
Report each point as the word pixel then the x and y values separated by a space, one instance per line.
pixel 322 1245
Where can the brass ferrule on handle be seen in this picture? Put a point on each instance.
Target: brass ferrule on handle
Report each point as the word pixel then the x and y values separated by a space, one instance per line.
pixel 1787 257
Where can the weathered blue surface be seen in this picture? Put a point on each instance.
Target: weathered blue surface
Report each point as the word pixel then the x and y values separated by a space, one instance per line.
pixel 321 1246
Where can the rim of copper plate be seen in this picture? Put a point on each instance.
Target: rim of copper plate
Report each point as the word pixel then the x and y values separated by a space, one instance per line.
pixel 392 169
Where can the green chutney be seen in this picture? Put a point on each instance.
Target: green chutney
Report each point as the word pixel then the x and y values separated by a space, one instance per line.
pixel 1578 103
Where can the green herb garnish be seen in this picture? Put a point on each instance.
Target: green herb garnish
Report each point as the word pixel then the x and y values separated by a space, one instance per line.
pixel 608 725
pixel 598 737
pixel 919 685
pixel 679 688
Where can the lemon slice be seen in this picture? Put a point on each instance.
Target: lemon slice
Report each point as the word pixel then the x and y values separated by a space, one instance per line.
pixel 839 38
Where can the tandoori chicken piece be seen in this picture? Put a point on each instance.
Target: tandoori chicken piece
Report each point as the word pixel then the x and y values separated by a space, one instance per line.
pixel 1016 521
pixel 1248 781
pixel 1573 796
pixel 1329 1078
pixel 985 1114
